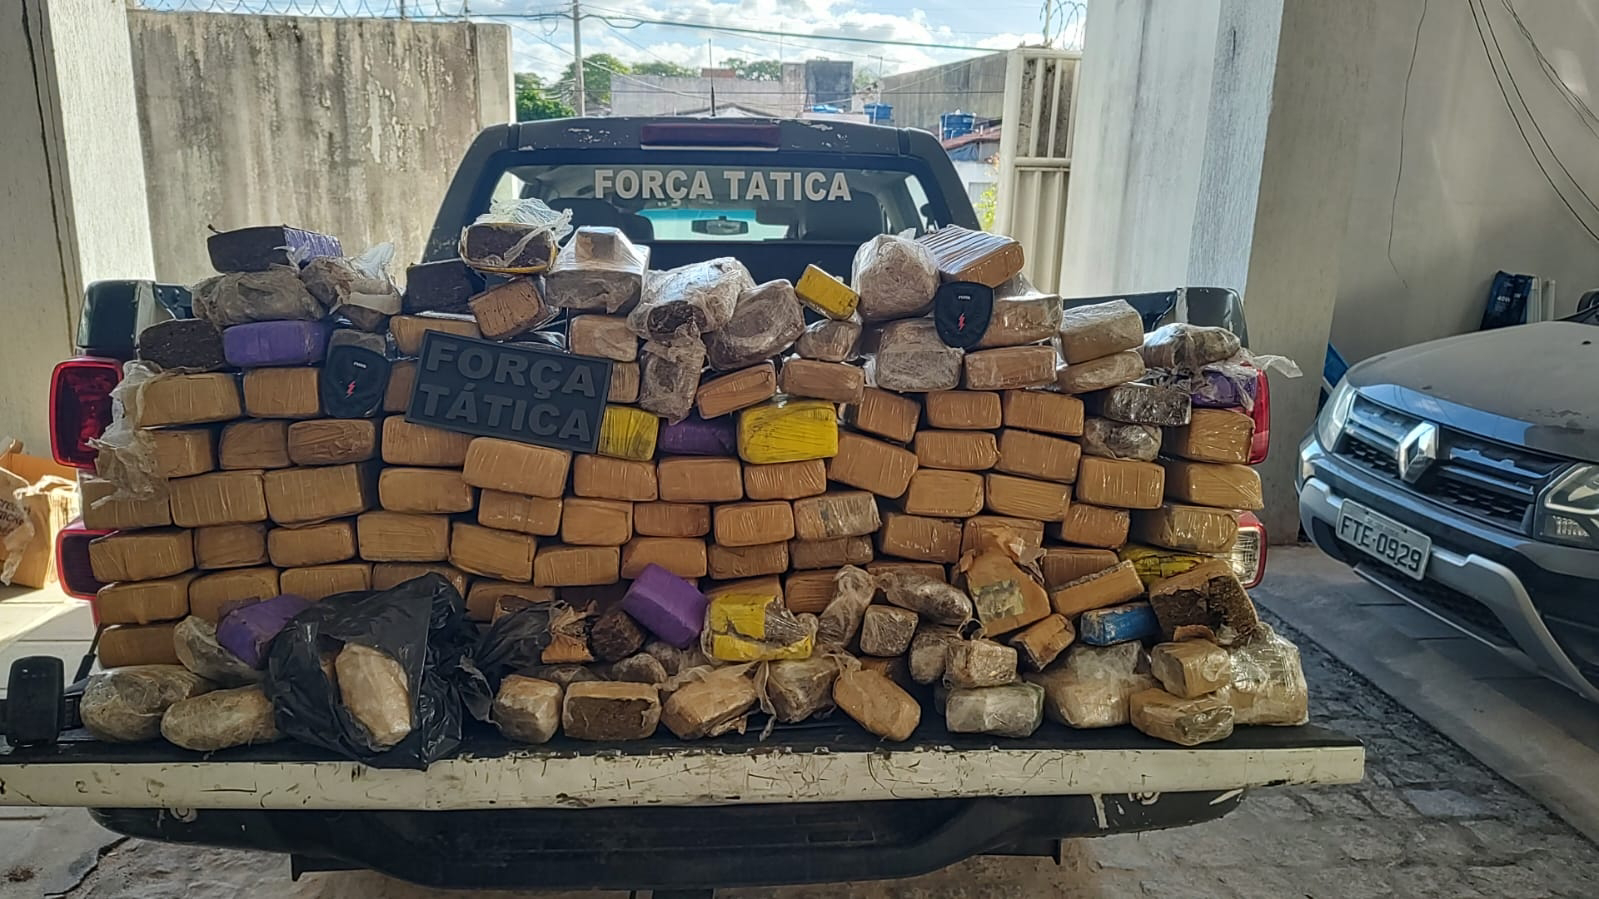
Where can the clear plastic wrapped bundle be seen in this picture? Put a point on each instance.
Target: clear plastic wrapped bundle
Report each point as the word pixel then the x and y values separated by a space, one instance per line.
pixel 896 277
pixel 670 375
pixel 1115 440
pixel 276 294
pixel 932 599
pixel 1267 684
pixel 373 687
pixel 912 358
pixel 766 320
pixel 830 340
pixel 930 650
pixel 598 270
pixel 716 704
pixel 195 641
pixel 527 709
pixel 220 719
pixel 754 627
pixel 979 663
pixel 841 619
pixel 801 688
pixel 125 705
pixel 1191 668
pixel 359 288
pixel 1186 722
pixel 1013 710
pixel 642 668
pixel 1091 688
pixel 691 300
pixel 1185 347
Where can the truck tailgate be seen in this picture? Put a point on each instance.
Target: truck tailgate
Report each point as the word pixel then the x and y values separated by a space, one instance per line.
pixel 824 762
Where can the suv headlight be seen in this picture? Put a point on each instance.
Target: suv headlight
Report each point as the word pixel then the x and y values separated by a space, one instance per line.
pixel 1568 512
pixel 1334 414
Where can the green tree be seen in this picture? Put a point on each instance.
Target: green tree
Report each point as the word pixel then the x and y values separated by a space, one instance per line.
pixel 664 69
pixel 597 72
pixel 865 80
pixel 536 100
pixel 755 69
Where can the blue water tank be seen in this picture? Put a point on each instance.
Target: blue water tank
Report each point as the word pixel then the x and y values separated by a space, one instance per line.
pixel 954 124
pixel 879 113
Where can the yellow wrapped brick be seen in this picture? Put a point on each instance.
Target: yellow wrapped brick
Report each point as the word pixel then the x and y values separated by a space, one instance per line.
pixel 788 431
pixel 755 627
pixel 628 432
pixel 826 294
pixel 1153 563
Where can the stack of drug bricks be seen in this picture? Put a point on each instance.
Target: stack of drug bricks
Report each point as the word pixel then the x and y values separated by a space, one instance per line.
pixel 753 470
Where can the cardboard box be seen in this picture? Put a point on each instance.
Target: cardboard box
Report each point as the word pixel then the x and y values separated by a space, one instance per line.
pixel 230 546
pixel 333 441
pixel 387 575
pixel 576 566
pixel 1027 498
pixel 963 410
pixel 485 594
pixel 523 514
pixel 1010 368
pixel 605 336
pixel 956 450
pixel 1030 531
pixel 316 544
pixel 923 569
pixel 184 452
pixel 131 644
pixel 1043 411
pixel 1207 484
pixel 100 514
pixel 1089 525
pixel 144 602
pixel 684 557
pixel 210 593
pixel 1099 374
pixel 920 539
pixel 1038 456
pixel 627 432
pixel 408 330
pixel 596 522
pixel 506 310
pixel 737 390
pixel 885 414
pixel 306 495
pixel 785 480
pixel 282 393
pixel 785 430
pixel 402 382
pixel 221 497
pixel 809 591
pixel 1212 435
pixel 1064 564
pixel 512 467
pixel 322 581
pixel 429 491
pixel 671 519
pixel 730 562
pixel 174 399
pixel 805 554
pixel 409 444
pixel 604 477
pixel 403 537
pixel 246 445
pixel 1096 591
pixel 882 468
pixel 944 494
pixel 837 382
pixel 624 383
pixel 505 555
pixel 1120 483
pixel 1092 332
pixel 841 513
pixel 1187 528
pixel 700 479
pixel 751 524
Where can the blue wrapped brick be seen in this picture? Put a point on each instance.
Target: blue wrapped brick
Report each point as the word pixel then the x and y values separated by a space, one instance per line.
pixel 1117 624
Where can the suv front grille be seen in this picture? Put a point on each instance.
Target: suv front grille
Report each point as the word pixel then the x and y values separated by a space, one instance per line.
pixel 1447 602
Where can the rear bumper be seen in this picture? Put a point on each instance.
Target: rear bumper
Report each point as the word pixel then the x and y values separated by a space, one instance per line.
pixel 1470 582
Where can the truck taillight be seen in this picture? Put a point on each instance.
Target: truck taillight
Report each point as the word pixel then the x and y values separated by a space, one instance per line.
pixel 80 407
pixel 72 561
pixel 1261 413
pixel 1248 555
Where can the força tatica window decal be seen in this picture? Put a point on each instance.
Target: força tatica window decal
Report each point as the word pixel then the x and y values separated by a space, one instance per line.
pixel 738 185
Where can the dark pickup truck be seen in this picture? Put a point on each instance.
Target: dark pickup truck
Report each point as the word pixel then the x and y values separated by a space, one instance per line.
pixel 819 802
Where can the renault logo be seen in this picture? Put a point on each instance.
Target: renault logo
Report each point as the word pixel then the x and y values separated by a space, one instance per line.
pixel 1417 450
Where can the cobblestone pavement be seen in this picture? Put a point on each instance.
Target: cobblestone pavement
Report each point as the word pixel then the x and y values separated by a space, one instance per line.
pixel 1427 821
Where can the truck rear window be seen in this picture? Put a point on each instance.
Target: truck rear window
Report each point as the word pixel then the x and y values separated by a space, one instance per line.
pixel 683 203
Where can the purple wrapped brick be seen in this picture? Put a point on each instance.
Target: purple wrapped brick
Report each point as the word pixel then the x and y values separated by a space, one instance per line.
pixel 1225 388
pixel 248 630
pixel 258 249
pixel 668 606
pixel 267 344
pixel 694 436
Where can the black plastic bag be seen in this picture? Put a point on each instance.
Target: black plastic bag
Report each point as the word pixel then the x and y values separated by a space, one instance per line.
pixel 513 643
pixel 422 625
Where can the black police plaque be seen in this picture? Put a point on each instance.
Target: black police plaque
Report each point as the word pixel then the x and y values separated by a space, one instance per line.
pixel 515 391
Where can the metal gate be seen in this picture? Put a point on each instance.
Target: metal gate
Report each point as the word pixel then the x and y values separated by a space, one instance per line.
pixel 1035 156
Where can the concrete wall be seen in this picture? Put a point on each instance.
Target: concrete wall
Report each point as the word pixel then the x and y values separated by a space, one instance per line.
pixel 974 85
pixel 71 188
pixel 659 95
pixel 1469 199
pixel 349 126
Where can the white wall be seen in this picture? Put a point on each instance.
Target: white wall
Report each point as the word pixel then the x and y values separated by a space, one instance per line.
pixel 1470 199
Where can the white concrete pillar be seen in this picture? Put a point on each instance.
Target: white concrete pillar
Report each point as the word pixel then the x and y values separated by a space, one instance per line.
pixel 1215 148
pixel 71 188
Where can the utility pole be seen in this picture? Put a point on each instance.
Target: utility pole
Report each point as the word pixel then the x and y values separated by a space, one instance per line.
pixel 577 59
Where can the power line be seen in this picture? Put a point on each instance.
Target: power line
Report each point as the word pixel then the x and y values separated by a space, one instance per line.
pixel 1572 99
